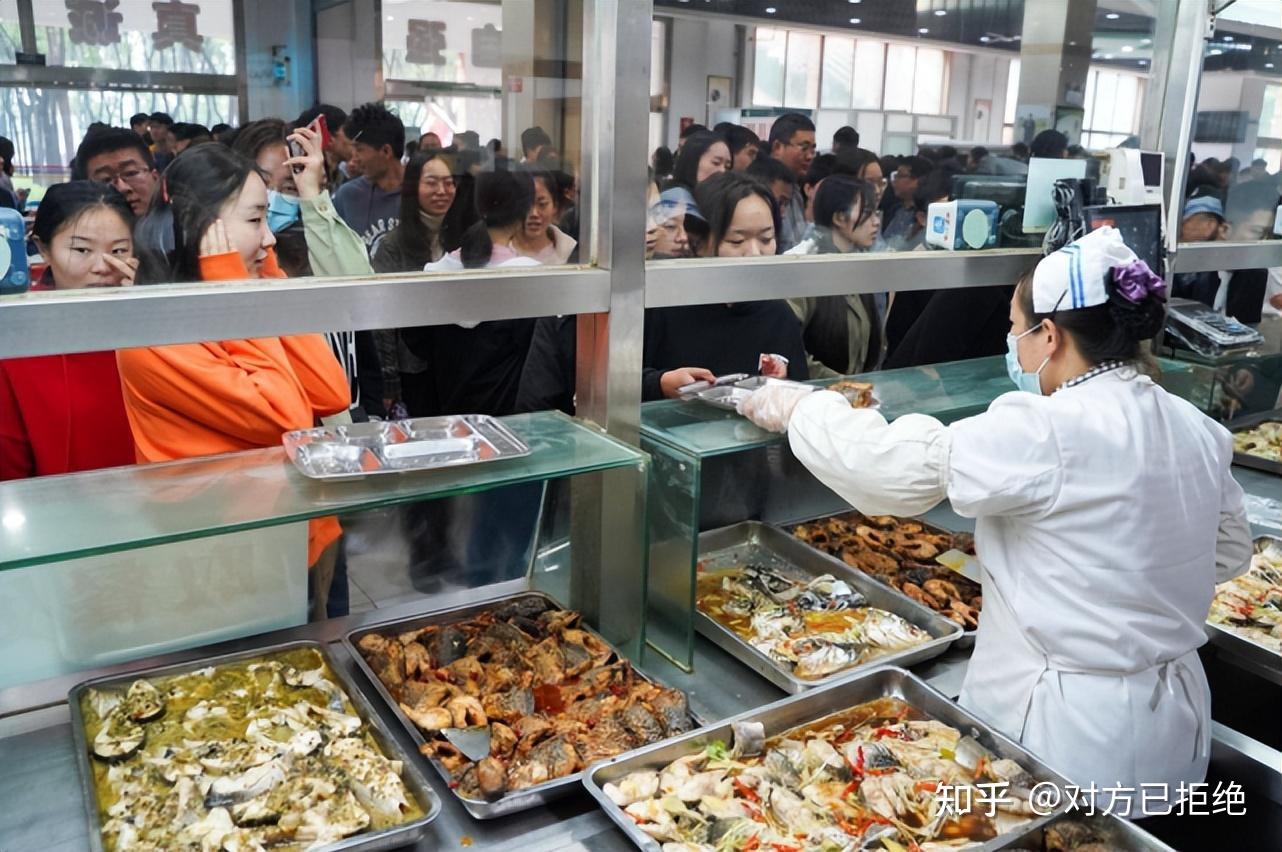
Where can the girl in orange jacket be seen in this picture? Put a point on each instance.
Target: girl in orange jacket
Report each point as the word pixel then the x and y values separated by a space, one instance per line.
pixel 209 223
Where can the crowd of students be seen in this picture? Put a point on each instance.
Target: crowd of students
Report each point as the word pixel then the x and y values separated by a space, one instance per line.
pixel 173 202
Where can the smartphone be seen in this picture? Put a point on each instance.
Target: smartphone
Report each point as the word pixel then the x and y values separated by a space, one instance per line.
pixel 321 126
pixel 295 150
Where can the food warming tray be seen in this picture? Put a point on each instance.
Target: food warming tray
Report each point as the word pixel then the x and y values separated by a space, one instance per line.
pixel 754 541
pixel 389 838
pixel 1120 835
pixel 1238 645
pixel 797 710
pixel 400 446
pixel 967 638
pixel 1248 460
pixel 519 800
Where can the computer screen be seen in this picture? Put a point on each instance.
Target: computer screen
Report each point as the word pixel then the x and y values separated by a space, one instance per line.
pixel 1006 191
pixel 1151 166
pixel 1140 226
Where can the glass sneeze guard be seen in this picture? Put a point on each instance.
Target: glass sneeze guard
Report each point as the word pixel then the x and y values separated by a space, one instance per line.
pixel 50 519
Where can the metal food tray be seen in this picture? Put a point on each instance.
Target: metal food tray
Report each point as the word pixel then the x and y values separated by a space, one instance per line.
pixel 389 838
pixel 798 710
pixel 967 639
pixel 513 802
pixel 743 542
pixel 728 396
pixel 1121 835
pixel 1238 645
pixel 401 446
pixel 1248 460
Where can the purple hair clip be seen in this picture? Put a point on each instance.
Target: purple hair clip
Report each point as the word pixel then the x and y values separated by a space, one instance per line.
pixel 1135 282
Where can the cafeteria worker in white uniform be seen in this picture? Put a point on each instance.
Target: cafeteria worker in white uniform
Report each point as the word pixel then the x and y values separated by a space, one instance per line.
pixel 1105 514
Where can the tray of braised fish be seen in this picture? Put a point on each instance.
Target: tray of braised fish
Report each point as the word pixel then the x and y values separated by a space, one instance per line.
pixel 799 617
pixel 550 693
pixel 1246 612
pixel 266 749
pixel 1257 442
pixel 903 554
pixel 872 762
pixel 1081 833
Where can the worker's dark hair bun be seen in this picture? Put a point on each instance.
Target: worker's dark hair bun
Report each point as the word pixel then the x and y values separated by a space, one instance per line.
pixel 1140 320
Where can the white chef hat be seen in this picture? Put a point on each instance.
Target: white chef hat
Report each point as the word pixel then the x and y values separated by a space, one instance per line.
pixel 1074 277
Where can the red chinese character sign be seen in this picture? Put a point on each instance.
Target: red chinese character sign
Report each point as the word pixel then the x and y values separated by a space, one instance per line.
pixel 94 21
pixel 176 24
pixel 425 42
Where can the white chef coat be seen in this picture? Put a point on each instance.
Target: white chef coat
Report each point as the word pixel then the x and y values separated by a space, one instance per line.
pixel 1105 515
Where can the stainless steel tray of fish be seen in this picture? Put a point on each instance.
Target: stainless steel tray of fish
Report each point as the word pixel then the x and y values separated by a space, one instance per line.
pixel 401 446
pixel 1071 830
pixel 417 785
pixel 969 570
pixel 516 800
pixel 1241 646
pixel 1247 459
pixel 808 707
pixel 762 544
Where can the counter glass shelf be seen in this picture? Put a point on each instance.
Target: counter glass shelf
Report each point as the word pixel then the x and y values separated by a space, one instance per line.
pixel 712 467
pixel 107 566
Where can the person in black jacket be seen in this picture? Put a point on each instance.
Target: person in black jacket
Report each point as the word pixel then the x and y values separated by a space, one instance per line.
pixel 743 221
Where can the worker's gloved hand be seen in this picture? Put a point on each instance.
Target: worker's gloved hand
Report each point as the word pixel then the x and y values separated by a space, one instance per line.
pixel 770 406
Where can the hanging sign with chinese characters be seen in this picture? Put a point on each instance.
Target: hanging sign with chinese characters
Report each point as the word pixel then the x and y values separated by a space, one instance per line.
pixel 425 42
pixel 176 24
pixel 94 22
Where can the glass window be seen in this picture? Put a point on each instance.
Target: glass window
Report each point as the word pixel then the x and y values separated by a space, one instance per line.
pixel 46 125
pixel 10 35
pixel 899 86
pixel 446 115
pixel 443 42
pixel 1271 114
pixel 767 76
pixel 658 56
pixel 158 35
pixel 870 68
pixel 802 88
pixel 839 61
pixel 929 81
pixel 1012 92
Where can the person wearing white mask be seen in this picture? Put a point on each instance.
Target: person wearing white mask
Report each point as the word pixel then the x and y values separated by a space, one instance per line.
pixel 1105 515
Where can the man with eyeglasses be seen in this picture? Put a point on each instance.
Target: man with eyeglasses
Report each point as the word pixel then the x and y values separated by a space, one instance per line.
pixel 119 157
pixel 792 142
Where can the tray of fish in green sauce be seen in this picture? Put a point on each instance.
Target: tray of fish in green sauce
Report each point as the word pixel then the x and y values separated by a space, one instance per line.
pixel 273 748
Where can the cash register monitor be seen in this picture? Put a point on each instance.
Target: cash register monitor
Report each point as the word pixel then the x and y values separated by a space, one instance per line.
pixel 1140 226
pixel 1007 190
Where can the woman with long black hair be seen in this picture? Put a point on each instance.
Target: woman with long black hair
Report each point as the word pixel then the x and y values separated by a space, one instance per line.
pixel 703 155
pixel 436 209
pixel 209 223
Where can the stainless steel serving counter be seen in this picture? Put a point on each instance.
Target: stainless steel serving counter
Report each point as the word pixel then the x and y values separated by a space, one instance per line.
pixel 40 789
pixel 43 808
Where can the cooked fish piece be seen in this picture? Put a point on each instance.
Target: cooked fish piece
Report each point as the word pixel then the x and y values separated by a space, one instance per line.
pixel 253 782
pixel 374 779
pixel 120 737
pixel 143 702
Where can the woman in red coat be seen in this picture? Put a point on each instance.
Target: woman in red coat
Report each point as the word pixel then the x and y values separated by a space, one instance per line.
pixel 66 413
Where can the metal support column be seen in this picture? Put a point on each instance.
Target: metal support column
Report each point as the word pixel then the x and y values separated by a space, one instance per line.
pixel 609 545
pixel 1179 43
pixel 27 26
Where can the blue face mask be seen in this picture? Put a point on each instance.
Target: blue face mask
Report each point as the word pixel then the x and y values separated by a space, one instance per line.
pixel 282 210
pixel 1030 382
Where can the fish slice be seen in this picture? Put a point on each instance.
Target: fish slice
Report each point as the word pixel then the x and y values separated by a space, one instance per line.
pixel 962 563
pixel 473 742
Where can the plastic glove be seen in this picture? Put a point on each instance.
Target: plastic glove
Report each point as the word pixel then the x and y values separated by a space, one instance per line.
pixel 770 406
